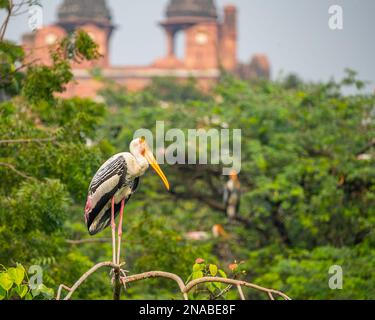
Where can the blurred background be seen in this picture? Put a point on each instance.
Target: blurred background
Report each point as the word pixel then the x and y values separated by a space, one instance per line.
pixel 293 34
pixel 79 77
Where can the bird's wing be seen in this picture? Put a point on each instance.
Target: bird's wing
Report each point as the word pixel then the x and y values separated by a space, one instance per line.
pixel 105 218
pixel 135 185
pixel 106 182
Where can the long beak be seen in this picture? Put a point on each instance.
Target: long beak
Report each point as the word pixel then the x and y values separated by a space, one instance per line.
pixel 151 160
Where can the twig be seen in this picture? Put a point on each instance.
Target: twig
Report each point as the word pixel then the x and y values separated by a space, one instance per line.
pixel 85 276
pixel 13 168
pixel 6 21
pixel 160 274
pixel 239 288
pixel 222 292
pixel 62 286
pixel 270 296
pixel 9 141
pixel 82 241
pixel 196 282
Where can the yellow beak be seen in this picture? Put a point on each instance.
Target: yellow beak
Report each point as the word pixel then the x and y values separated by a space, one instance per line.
pixel 151 160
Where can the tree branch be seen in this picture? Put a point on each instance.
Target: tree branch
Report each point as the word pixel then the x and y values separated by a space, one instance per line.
pixel 160 274
pixel 89 240
pixel 13 168
pixel 6 21
pixel 236 283
pixel 37 140
pixel 184 289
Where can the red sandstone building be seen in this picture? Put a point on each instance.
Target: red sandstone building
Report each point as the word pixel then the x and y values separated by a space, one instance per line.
pixel 210 45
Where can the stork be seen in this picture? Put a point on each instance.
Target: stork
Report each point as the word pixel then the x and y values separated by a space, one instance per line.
pixel 232 195
pixel 113 185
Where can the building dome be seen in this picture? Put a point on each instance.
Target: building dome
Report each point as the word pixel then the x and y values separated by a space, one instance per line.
pixel 191 8
pixel 84 11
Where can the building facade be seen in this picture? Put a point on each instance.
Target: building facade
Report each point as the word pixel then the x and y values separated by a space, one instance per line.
pixel 210 45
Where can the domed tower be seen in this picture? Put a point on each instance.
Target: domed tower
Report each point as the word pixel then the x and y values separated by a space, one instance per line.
pixel 198 19
pixel 206 39
pixel 191 10
pixel 94 17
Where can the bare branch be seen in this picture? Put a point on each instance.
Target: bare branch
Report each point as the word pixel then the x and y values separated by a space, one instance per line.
pixel 6 21
pixel 196 282
pixel 14 169
pixel 62 286
pixel 270 296
pixel 160 274
pixel 36 140
pixel 84 278
pixel 222 292
pixel 239 288
pixel 82 241
pixel 185 289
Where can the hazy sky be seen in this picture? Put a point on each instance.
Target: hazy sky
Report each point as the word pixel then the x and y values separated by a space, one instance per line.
pixel 293 33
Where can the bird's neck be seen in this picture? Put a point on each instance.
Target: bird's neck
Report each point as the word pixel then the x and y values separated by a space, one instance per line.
pixel 141 165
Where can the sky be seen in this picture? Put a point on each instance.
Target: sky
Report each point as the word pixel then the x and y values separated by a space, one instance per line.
pixel 295 34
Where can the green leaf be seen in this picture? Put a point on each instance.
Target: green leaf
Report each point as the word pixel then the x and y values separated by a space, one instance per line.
pixel 213 270
pixel 211 287
pixel 4 4
pixel 48 293
pixel 222 273
pixel 22 290
pixel 28 296
pixel 218 285
pixel 197 275
pixel 5 281
pixel 17 274
pixel 197 267
pixel 3 293
pixel 35 292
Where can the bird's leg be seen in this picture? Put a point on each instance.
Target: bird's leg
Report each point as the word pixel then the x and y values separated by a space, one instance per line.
pixel 119 231
pixel 113 226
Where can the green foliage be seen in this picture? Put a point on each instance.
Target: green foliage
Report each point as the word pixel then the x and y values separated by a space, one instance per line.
pixel 173 90
pixel 211 290
pixel 4 4
pixel 15 285
pixel 43 82
pixel 10 56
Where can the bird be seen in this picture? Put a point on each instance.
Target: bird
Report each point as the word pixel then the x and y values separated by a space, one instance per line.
pixel 113 185
pixel 217 232
pixel 232 195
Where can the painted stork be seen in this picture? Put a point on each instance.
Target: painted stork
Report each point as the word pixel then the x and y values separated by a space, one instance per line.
pixel 232 195
pixel 113 185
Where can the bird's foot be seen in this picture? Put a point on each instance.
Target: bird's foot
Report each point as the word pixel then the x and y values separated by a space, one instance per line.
pixel 123 277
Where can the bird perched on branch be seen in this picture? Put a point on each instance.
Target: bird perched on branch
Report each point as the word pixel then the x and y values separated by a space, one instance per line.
pixel 113 185
pixel 232 195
